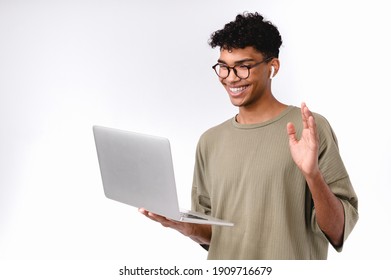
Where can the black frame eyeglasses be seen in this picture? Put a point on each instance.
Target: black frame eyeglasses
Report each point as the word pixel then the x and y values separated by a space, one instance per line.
pixel 241 71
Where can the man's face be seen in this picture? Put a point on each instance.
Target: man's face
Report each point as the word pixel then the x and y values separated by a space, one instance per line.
pixel 245 92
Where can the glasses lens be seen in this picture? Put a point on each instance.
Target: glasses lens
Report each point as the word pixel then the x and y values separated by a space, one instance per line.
pixel 242 71
pixel 222 71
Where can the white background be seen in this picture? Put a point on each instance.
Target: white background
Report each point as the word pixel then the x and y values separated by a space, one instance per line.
pixel 145 65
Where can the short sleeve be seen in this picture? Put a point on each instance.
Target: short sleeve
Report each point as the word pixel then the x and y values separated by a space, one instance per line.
pixel 200 199
pixel 337 178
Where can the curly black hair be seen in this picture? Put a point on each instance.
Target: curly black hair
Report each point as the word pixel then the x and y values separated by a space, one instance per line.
pixel 249 29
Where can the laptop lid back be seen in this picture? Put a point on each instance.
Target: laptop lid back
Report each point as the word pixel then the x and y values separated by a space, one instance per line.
pixel 137 169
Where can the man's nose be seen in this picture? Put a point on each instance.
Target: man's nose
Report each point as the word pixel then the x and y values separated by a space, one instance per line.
pixel 232 77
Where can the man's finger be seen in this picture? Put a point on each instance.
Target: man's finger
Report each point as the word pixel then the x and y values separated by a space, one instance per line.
pixel 290 128
pixel 304 116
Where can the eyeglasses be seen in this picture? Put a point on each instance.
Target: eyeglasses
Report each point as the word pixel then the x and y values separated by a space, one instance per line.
pixel 241 71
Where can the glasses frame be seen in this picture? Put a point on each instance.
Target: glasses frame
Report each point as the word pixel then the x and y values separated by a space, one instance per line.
pixel 249 67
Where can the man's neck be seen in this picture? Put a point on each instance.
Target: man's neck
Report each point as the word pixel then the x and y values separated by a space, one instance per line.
pixel 260 113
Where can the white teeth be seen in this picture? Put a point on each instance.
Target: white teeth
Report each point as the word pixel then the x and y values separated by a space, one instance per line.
pixel 237 89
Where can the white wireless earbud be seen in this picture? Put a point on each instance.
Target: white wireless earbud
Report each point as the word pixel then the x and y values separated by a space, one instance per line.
pixel 272 73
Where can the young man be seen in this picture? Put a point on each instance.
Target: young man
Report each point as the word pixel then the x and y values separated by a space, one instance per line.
pixel 273 170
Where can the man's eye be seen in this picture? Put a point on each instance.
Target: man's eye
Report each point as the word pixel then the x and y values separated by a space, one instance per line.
pixel 244 66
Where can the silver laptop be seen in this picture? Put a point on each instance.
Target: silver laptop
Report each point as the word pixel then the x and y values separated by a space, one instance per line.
pixel 137 169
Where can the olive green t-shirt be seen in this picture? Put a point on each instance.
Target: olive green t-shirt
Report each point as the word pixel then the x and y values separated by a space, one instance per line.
pixel 245 174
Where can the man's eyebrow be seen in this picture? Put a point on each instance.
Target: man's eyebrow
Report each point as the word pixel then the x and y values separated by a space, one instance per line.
pixel 237 62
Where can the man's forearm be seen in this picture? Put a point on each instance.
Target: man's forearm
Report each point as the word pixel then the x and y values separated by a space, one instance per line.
pixel 201 234
pixel 329 210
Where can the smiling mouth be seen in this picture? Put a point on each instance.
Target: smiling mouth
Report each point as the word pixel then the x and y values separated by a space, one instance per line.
pixel 237 90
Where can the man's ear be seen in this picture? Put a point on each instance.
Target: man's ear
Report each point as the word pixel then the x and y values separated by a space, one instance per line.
pixel 274 67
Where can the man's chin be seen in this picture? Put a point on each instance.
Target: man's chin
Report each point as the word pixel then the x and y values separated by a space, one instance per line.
pixel 237 102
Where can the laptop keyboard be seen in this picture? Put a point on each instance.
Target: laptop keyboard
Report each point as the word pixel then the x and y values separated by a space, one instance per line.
pixel 187 215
